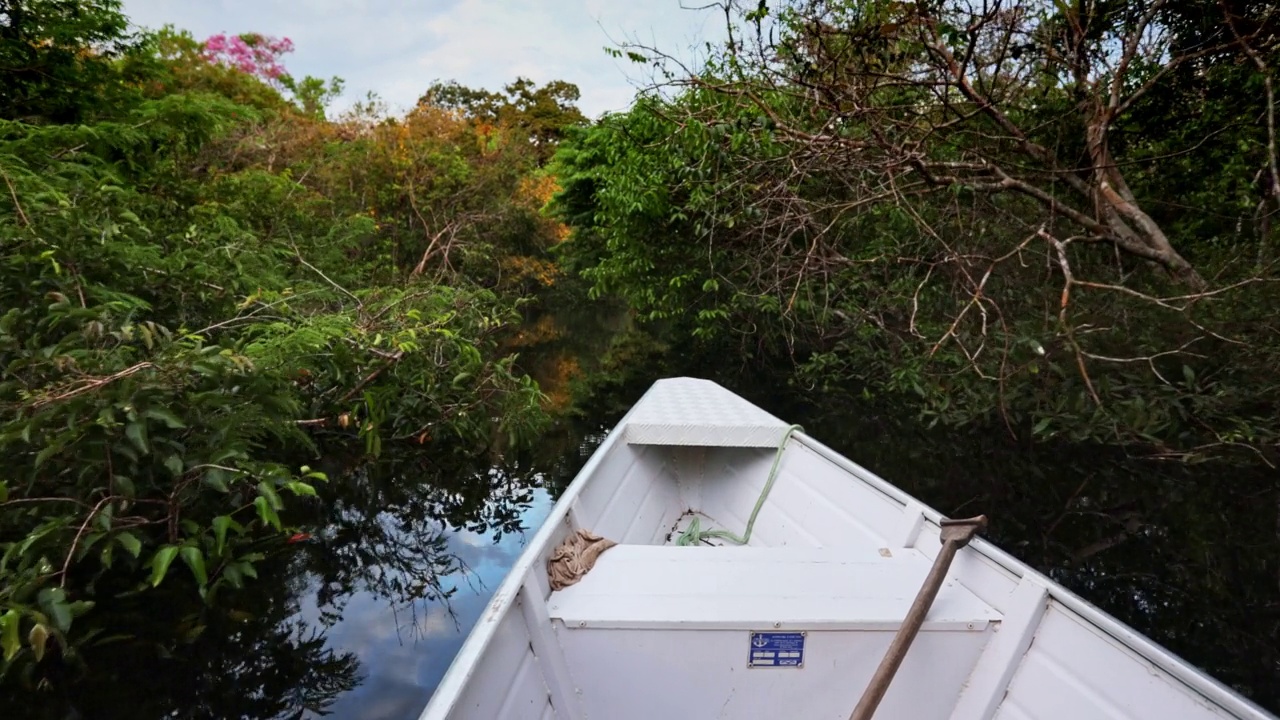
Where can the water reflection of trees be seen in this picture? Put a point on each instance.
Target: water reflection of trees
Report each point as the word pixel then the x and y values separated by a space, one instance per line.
pixel 387 526
pixel 286 673
pixel 384 528
pixel 175 659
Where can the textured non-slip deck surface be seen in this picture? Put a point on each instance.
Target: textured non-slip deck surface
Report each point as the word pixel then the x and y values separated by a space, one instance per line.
pixel 690 411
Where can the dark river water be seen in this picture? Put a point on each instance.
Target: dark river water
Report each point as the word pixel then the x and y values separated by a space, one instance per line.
pixel 362 620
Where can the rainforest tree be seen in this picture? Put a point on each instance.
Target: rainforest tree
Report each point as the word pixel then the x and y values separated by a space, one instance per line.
pixel 201 276
pixel 1057 216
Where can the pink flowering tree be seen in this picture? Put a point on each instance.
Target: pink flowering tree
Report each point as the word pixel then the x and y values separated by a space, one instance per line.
pixel 259 55
pixel 251 53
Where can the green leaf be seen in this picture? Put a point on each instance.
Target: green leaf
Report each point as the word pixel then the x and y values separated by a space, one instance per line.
pixel 265 512
pixel 169 419
pixel 220 525
pixel 38 636
pixel 80 607
pixel 195 560
pixel 216 478
pixel 53 601
pixel 268 492
pixel 174 464
pixel 160 563
pixel 130 543
pixel 104 517
pixel 193 633
pixel 87 544
pixel 4 491
pixel 137 434
pixel 232 573
pixel 50 450
pixel 301 488
pixel 124 485
pixel 9 641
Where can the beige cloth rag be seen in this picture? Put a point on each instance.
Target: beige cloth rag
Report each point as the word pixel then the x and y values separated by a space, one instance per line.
pixel 574 557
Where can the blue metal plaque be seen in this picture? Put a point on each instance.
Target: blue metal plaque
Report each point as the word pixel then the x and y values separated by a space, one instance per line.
pixel 776 649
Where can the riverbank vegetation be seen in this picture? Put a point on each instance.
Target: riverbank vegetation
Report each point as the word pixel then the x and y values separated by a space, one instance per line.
pixel 1054 218
pixel 203 276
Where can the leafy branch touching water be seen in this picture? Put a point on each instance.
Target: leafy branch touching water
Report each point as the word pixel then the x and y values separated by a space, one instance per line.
pixel 201 276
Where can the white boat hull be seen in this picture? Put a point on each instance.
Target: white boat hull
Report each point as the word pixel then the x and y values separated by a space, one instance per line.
pixel 794 623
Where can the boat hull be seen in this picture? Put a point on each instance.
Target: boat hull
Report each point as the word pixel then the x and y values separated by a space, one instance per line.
pixel 793 622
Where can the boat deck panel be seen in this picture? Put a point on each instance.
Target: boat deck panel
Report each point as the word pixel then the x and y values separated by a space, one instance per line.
pixel 729 483
pixel 640 507
pixel 841 513
pixel 634 586
pixel 812 503
pixel 691 411
pixel 1010 710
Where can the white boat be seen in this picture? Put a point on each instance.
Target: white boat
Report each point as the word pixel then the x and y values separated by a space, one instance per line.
pixel 796 621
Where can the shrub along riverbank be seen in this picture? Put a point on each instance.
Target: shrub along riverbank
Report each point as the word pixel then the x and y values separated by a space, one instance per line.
pixel 202 274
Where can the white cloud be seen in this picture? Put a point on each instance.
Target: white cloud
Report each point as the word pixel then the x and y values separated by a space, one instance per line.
pixel 396 49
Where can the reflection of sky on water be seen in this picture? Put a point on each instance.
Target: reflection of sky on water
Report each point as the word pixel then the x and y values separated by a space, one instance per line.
pixel 405 651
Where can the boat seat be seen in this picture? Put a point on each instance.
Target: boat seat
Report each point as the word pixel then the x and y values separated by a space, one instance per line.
pixel 652 586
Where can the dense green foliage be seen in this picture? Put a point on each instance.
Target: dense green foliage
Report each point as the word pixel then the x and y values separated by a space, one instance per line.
pixel 65 61
pixel 199 277
pixel 544 113
pixel 1055 218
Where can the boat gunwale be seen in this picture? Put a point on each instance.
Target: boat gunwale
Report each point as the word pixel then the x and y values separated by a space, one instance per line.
pixel 1209 687
pixel 450 689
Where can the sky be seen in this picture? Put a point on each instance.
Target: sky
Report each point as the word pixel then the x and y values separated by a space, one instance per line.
pixel 397 48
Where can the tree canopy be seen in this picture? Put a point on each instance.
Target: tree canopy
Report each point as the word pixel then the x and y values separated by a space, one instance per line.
pixel 204 279
pixel 1052 215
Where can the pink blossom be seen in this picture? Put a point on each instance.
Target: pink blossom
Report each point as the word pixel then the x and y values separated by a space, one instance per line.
pixel 250 53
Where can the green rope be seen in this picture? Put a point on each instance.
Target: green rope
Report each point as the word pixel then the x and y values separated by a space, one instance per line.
pixel 694 534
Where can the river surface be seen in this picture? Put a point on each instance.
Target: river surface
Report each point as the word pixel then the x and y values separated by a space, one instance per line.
pixel 362 620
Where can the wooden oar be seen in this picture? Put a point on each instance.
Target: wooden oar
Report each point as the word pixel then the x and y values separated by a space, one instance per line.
pixel 955 535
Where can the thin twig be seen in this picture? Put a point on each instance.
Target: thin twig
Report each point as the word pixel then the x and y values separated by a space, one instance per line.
pixel 92 385
pixel 317 271
pixel 371 376
pixel 76 541
pixel 17 205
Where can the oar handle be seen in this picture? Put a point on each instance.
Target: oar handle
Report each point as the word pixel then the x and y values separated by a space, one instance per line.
pixel 955 535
